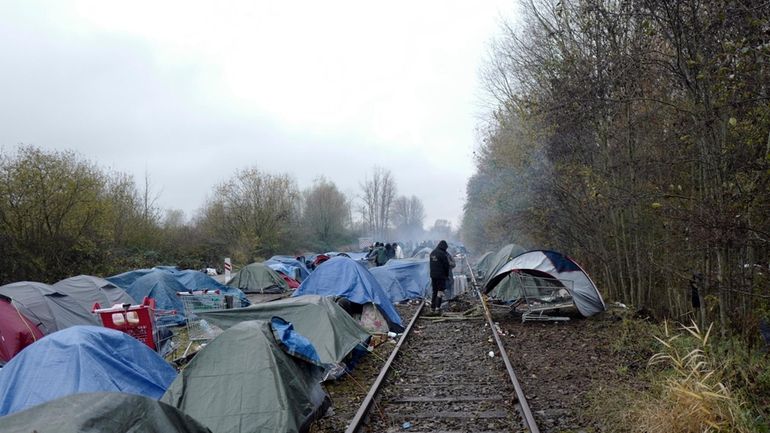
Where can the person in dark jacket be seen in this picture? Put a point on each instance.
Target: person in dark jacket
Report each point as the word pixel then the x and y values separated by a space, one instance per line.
pixel 439 273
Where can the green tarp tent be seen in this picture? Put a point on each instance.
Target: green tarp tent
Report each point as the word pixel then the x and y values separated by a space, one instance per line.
pixel 503 256
pixel 318 318
pixel 258 278
pixel 244 382
pixel 482 265
pixel 101 412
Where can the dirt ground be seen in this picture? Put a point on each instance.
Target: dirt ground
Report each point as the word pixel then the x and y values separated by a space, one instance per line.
pixel 562 366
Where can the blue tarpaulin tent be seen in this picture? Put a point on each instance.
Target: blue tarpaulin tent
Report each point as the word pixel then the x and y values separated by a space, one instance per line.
pixel 82 359
pixel 343 276
pixel 389 283
pixel 162 286
pixel 412 274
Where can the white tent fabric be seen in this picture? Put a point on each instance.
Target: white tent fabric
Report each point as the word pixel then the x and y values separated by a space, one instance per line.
pixel 585 295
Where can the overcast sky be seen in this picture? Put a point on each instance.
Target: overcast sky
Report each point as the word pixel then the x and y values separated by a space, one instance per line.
pixel 190 91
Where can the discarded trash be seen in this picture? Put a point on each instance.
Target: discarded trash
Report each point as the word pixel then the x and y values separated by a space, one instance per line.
pixel 392 334
pixel 491 354
pixel 406 426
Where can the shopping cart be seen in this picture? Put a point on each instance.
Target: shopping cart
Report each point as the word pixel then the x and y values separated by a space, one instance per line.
pixel 137 321
pixel 199 330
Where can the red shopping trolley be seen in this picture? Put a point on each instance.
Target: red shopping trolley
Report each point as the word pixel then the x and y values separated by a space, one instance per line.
pixel 137 321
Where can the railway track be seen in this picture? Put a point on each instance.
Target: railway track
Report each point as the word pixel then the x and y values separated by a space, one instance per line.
pixel 447 374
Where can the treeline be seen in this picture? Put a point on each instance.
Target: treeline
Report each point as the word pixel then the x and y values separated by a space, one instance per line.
pixel 61 215
pixel 633 135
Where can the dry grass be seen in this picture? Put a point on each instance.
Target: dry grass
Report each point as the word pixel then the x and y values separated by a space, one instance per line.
pixel 692 397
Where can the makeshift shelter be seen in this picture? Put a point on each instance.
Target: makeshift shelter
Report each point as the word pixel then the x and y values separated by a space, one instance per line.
pixel 161 286
pixel 49 309
pixel 482 265
pixel 196 280
pixel 88 290
pixel 82 359
pixel 422 253
pixel 125 279
pixel 101 412
pixel 246 381
pixel 556 269
pixel 412 274
pixel 389 283
pixel 503 256
pixel 344 277
pixel 297 269
pixel 16 331
pixel 332 331
pixel 258 278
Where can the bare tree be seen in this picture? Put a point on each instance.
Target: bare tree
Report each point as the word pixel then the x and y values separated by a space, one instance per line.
pixel 408 216
pixel 379 192
pixel 326 214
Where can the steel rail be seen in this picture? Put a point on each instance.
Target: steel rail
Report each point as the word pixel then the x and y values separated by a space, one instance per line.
pixel 521 398
pixel 358 419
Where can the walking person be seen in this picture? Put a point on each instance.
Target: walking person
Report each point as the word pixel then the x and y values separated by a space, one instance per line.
pixel 439 273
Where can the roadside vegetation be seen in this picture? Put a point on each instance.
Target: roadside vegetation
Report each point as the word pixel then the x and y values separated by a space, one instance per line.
pixel 635 137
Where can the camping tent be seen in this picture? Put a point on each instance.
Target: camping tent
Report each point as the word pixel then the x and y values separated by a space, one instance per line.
pixel 389 283
pixel 331 330
pixel 49 309
pixel 127 278
pixel 196 280
pixel 82 359
pixel 258 278
pixel 412 274
pixel 101 412
pixel 160 285
pixel 88 290
pixel 422 253
pixel 244 381
pixel 16 331
pixel 503 256
pixel 342 276
pixel 482 265
pixel 555 265
pixel 297 269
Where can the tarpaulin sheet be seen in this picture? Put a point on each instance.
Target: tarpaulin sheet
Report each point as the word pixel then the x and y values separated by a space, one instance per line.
pixel 389 284
pixel 82 359
pixel 332 331
pixel 244 382
pixel 342 276
pixel 294 343
pixel 101 412
pixel 295 265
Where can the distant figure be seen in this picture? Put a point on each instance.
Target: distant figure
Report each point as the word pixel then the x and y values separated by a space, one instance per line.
pixel 390 252
pixel 399 250
pixel 439 273
pixel 381 255
pixel 450 281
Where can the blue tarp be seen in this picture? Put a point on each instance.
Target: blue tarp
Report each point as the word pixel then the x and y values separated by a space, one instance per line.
pixel 82 359
pixel 196 280
pixel 412 274
pixel 298 269
pixel 294 343
pixel 389 283
pixel 162 286
pixel 342 276
pixel 127 278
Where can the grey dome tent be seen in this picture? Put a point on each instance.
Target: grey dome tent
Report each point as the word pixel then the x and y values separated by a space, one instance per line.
pixel 48 308
pixel 503 256
pixel 88 290
pixel 555 267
